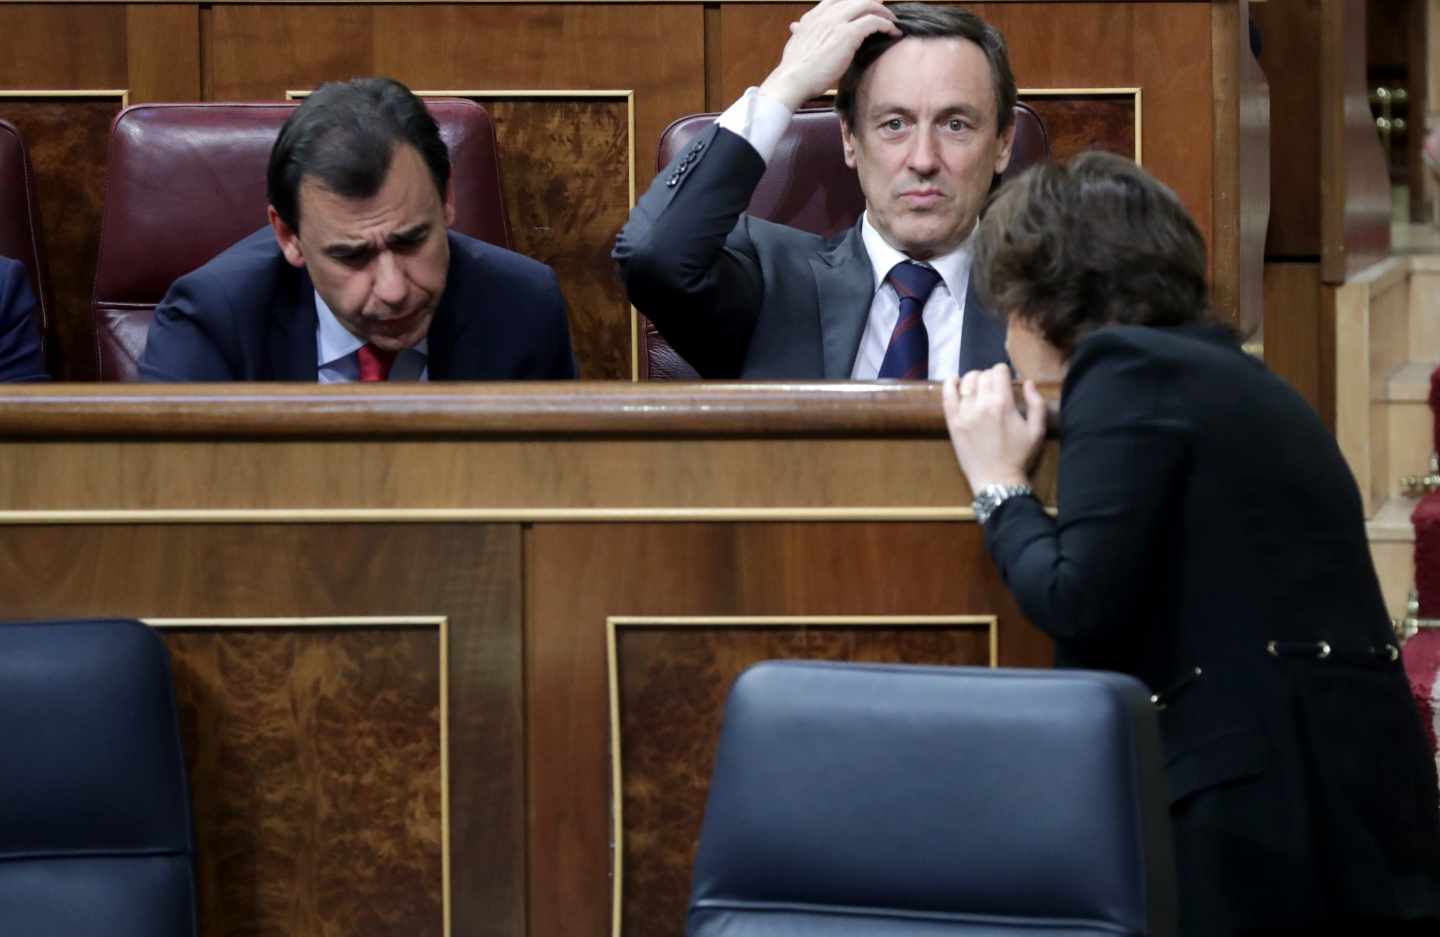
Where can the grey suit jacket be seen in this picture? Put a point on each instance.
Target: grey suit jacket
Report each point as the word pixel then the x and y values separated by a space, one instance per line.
pixel 741 297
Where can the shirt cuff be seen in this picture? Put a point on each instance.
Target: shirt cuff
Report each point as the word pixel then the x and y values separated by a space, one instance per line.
pixel 759 119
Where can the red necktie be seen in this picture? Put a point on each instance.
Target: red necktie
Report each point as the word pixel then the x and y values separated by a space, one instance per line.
pixel 374 363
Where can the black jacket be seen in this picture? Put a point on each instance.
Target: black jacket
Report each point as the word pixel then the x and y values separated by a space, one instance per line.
pixel 1209 538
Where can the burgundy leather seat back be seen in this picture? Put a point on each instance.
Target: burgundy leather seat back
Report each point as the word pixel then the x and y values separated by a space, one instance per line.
pixel 19 236
pixel 808 186
pixel 186 181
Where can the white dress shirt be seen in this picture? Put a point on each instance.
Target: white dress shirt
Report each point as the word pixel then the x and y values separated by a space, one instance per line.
pixel 762 121
pixel 335 348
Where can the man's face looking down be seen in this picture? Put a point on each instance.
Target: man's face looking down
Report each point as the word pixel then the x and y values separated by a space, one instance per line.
pixel 380 263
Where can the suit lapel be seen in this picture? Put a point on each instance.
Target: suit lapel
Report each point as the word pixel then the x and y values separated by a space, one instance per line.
pixel 982 334
pixel 292 333
pixel 445 336
pixel 845 286
pixel 451 331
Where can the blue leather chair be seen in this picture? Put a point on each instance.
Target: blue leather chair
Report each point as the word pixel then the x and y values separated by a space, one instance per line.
pixel 95 830
pixel 882 801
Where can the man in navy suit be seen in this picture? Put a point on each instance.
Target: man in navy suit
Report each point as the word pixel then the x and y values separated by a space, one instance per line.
pixel 357 276
pixel 21 358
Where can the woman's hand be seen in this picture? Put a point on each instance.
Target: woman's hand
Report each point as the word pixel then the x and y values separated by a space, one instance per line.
pixel 993 442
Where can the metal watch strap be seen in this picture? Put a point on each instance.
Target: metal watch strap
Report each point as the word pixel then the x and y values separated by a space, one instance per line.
pixel 990 497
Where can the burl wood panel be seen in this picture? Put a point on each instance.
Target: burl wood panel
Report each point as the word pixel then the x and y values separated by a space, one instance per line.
pixel 66 138
pixel 565 168
pixel 314 759
pixel 577 575
pixel 1162 48
pixel 673 682
pixel 469 573
pixel 1076 123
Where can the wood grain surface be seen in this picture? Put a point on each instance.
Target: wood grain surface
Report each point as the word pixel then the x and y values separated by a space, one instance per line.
pixel 565 168
pixel 714 408
pixel 1079 122
pixel 151 51
pixel 577 575
pixel 314 757
pixel 66 138
pixel 1291 58
pixel 315 753
pixel 673 682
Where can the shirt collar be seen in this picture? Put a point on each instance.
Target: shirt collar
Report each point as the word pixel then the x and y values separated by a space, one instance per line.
pixel 334 342
pixel 954 267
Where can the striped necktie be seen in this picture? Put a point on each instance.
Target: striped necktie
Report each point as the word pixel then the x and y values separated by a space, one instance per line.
pixel 908 355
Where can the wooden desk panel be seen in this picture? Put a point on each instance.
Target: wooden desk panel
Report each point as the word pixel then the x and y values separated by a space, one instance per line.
pixel 578 576
pixel 315 746
pixel 514 533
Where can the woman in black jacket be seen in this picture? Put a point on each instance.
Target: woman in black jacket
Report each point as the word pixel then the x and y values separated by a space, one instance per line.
pixel 1210 541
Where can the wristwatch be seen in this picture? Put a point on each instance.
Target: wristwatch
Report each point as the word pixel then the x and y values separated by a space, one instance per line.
pixel 990 497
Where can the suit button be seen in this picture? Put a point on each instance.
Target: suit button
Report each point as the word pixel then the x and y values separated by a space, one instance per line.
pixel 673 181
pixel 699 145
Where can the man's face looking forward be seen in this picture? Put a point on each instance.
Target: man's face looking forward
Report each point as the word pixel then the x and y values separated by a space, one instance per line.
pixel 925 143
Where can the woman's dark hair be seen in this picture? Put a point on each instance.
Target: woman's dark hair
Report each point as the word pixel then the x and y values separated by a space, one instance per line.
pixel 344 136
pixel 923 21
pixel 1095 242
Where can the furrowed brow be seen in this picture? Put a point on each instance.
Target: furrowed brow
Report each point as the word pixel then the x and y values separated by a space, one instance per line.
pixel 411 235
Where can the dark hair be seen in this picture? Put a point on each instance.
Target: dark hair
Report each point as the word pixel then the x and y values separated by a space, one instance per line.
pixel 923 21
pixel 344 135
pixel 1096 242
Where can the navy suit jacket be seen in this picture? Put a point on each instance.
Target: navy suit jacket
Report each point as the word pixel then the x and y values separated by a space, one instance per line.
pixel 737 296
pixel 21 356
pixel 248 315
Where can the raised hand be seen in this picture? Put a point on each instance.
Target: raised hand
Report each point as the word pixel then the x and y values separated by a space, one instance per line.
pixel 821 45
pixel 993 441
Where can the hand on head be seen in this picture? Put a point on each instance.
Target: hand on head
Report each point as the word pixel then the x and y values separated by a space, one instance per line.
pixel 994 442
pixel 821 45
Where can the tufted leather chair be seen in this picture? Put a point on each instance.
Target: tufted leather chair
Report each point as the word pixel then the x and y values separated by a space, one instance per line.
pixel 186 181
pixel 856 800
pixel 19 236
pixel 807 186
pixel 95 828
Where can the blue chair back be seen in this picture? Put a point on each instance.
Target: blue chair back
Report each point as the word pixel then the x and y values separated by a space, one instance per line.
pixel 898 801
pixel 95 828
